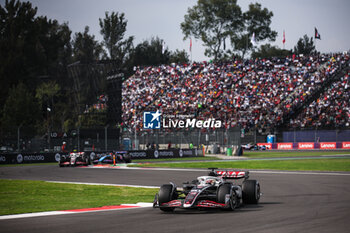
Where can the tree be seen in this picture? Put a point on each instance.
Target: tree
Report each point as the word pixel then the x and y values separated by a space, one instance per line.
pixel 213 21
pixel 85 48
pixel 14 17
pixel 257 21
pixel 179 56
pixel 113 28
pixel 216 21
pixel 48 95
pixel 151 52
pixel 20 108
pixel 266 51
pixel 305 45
pixel 30 47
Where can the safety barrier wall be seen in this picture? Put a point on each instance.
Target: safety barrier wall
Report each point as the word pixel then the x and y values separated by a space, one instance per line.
pixel 306 145
pixel 19 158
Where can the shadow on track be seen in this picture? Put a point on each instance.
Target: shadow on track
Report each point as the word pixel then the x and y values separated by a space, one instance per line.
pixel 244 208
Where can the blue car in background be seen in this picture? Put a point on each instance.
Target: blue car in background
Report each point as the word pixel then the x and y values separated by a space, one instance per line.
pixel 107 158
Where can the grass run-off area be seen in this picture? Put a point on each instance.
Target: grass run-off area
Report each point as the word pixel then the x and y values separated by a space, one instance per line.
pixel 175 159
pixel 23 196
pixel 276 154
pixel 317 164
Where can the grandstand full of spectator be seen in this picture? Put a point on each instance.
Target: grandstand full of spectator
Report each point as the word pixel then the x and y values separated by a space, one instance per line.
pixel 258 92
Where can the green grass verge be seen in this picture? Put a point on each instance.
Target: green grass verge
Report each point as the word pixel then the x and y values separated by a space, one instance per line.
pixel 175 159
pixel 23 196
pixel 330 164
pixel 276 154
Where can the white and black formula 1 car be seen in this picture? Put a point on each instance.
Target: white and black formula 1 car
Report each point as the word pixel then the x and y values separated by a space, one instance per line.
pixel 74 159
pixel 212 191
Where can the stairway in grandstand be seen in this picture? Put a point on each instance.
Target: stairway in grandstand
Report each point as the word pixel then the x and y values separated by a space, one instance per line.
pixel 343 70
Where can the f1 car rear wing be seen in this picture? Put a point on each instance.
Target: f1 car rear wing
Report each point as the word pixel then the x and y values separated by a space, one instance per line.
pixel 229 174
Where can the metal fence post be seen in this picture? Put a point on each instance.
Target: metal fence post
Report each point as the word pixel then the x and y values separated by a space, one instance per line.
pixel 78 138
pixel 106 138
pixel 18 132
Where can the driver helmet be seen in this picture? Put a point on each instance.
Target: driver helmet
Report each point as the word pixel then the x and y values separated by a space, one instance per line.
pixel 210 181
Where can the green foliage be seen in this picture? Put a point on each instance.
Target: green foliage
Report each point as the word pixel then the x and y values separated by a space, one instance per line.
pixel 213 21
pixel 54 109
pixel 47 91
pixel 15 43
pixel 179 56
pixel 113 28
pixel 150 52
pixel 266 51
pixel 20 107
pixel 216 21
pixel 257 21
pixel 93 118
pixel 305 45
pixel 85 48
pixel 33 49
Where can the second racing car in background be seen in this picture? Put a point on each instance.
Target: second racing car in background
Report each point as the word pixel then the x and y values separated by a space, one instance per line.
pixel 102 158
pixel 74 159
pixel 86 158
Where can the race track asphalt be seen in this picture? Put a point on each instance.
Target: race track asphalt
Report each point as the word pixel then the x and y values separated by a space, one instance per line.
pixel 291 202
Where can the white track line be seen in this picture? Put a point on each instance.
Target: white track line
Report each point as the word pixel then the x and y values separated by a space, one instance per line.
pixel 104 184
pixel 53 213
pixel 251 171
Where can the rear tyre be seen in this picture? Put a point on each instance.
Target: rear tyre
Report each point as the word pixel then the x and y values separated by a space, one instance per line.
pixel 127 159
pixel 166 195
pixel 250 192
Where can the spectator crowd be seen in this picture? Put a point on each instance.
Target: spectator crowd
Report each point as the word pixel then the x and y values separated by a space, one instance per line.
pixel 253 93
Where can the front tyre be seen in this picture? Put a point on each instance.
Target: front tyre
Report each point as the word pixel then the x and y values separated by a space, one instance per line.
pixel 221 196
pixel 251 192
pixel 165 195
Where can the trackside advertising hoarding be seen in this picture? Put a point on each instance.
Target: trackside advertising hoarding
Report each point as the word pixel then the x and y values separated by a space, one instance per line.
pixel 306 145
pixel 346 145
pixel 285 146
pixel 328 145
pixel 19 158
pixel 171 153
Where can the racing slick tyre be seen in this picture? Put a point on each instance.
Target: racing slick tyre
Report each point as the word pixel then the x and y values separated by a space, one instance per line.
pixel 251 192
pixel 127 159
pixel 221 196
pixel 166 195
